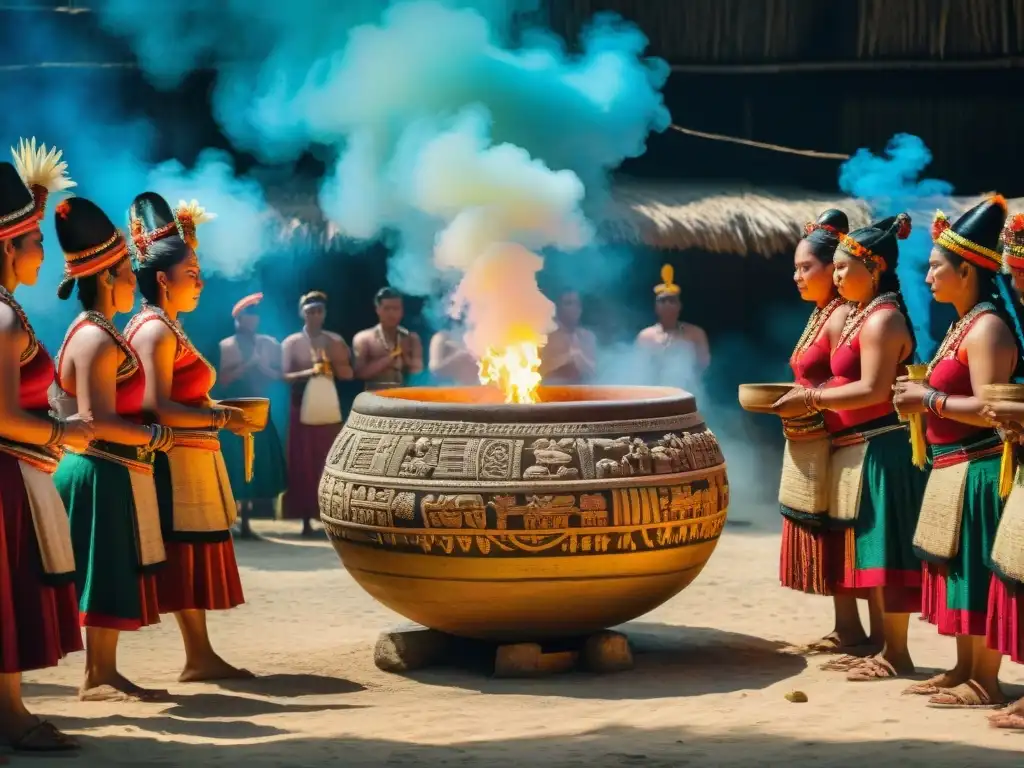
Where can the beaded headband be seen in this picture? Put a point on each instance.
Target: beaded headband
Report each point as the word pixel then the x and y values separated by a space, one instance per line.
pixel 873 260
pixel 313 297
pixel 43 172
pixel 978 255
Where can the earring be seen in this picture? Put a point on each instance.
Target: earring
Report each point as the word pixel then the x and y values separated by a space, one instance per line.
pixel 110 279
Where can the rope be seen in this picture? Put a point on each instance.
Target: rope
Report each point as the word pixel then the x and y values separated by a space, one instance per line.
pixel 761 144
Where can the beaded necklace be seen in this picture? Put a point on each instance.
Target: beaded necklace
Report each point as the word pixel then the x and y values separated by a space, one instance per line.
pixel 815 323
pixel 858 316
pixel 6 297
pixel 957 331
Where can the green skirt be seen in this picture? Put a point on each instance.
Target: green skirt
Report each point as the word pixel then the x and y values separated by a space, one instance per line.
pixel 269 478
pixel 113 591
pixel 955 595
pixel 891 492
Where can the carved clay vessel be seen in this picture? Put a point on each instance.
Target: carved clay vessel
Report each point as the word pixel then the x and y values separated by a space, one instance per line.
pixel 514 522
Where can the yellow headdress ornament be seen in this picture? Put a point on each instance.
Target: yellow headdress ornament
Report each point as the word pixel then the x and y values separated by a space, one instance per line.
pixel 666 287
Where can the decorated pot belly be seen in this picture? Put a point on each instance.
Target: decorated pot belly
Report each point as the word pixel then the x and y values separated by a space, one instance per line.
pixel 525 521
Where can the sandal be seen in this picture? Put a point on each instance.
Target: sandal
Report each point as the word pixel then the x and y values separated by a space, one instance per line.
pixel 969 695
pixel 872 669
pixel 844 663
pixel 929 687
pixel 44 736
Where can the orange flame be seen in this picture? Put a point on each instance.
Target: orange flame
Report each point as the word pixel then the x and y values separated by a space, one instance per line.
pixel 515 370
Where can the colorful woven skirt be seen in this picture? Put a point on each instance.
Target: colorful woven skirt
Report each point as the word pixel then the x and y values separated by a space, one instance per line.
pixel 269 478
pixel 891 492
pixel 38 623
pixel 308 448
pixel 817 560
pixel 113 591
pixel 198 575
pixel 956 593
pixel 1005 621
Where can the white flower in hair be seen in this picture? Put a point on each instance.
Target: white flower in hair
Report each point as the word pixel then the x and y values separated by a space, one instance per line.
pixel 39 167
pixel 196 212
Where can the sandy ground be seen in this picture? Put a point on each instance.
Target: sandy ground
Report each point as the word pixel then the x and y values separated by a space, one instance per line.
pixel 708 688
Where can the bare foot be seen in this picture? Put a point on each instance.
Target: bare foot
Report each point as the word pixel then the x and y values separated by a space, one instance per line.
pixel 214 668
pixel 837 643
pixel 934 685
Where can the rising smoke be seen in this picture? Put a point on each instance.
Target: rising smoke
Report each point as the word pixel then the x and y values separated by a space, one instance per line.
pixel 890 184
pixel 469 155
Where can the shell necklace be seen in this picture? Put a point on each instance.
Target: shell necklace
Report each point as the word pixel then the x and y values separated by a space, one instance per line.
pixel 858 316
pixel 956 333
pixel 815 323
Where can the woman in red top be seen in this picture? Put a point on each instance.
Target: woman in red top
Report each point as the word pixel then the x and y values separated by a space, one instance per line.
pixel 1005 621
pixel 38 607
pixel 812 556
pixel 876 489
pixel 108 490
pixel 962 504
pixel 196 504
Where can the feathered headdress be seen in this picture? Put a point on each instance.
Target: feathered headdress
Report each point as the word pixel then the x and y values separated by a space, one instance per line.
pixel 42 170
pixel 189 216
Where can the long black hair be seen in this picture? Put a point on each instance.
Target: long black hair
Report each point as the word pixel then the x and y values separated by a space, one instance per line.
pixel 157 242
pixel 882 239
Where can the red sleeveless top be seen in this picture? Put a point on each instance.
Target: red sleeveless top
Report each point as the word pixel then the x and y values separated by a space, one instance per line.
pixel 953 376
pixel 131 379
pixel 37 375
pixel 193 377
pixel 36 371
pixel 845 370
pixel 810 360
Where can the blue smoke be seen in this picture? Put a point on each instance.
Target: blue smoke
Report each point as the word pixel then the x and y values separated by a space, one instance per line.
pixel 890 184
pixel 379 84
pixel 111 153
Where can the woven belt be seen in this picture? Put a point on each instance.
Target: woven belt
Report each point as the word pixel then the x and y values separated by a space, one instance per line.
pixel 41 457
pixel 134 457
pixel 847 437
pixel 988 446
pixel 196 438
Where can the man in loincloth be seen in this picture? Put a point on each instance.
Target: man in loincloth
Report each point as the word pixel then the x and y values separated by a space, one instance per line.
pixel 249 365
pixel 312 353
pixel 387 354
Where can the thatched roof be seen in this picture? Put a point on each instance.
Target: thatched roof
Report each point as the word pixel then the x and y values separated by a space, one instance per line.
pixel 677 216
pixel 718 219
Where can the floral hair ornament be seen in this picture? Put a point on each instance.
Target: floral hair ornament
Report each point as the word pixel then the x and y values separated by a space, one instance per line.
pixel 1013 242
pixel 189 216
pixel 811 226
pixel 872 260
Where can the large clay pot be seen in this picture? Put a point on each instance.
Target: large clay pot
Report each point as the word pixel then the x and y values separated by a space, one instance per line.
pixel 512 522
